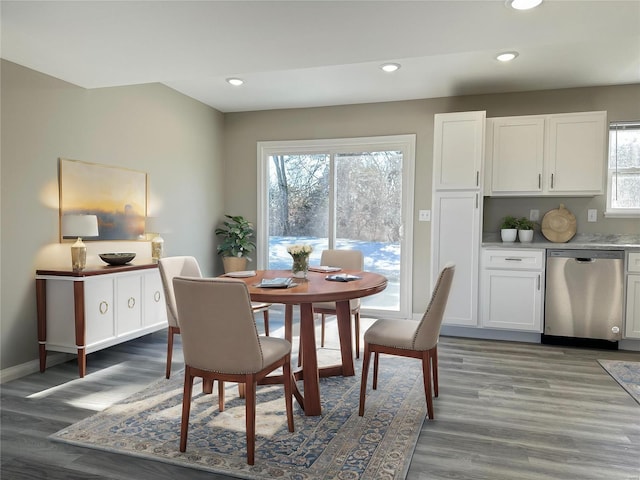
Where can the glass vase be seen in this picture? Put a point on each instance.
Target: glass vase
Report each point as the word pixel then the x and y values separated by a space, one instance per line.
pixel 300 265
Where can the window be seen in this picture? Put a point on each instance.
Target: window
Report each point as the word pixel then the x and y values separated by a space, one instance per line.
pixel 623 180
pixel 341 193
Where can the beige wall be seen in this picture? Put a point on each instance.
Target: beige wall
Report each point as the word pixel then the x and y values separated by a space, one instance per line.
pixel 243 130
pixel 151 128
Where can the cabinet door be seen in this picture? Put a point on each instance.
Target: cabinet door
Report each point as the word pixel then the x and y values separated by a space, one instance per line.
pixel 511 299
pixel 458 150
pixel 155 310
pixel 577 153
pixel 99 310
pixel 517 155
pixel 632 320
pixel 128 303
pixel 456 238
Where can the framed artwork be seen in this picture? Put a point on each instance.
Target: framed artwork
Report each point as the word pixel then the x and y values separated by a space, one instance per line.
pixel 117 196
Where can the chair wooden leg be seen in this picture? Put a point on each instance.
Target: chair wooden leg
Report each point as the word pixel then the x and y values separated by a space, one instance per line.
pixel 322 315
pixel 186 407
pixel 242 391
pixel 251 418
pixel 265 314
pixel 426 374
pixel 221 395
pixel 207 385
pixel 375 370
pixel 288 391
pixel 363 382
pixel 170 333
pixel 356 321
pixel 434 369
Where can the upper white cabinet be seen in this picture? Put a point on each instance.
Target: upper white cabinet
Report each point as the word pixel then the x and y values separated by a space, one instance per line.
pixel 554 155
pixel 457 206
pixel 458 150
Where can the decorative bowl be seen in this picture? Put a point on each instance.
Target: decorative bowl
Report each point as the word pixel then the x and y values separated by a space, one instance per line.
pixel 117 258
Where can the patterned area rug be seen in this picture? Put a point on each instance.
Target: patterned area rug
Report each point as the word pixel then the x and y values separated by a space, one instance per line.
pixel 337 445
pixel 627 374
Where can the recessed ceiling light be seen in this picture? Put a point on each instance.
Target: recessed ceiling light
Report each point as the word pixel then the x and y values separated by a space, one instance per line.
pixel 523 4
pixel 390 67
pixel 236 82
pixel 506 56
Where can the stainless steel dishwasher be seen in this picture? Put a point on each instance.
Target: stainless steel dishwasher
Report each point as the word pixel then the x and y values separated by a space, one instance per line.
pixel 584 297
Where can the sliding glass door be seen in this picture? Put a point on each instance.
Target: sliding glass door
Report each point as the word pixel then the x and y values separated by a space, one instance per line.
pixel 345 194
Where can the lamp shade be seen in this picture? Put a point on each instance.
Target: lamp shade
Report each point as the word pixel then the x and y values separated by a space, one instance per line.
pixel 79 226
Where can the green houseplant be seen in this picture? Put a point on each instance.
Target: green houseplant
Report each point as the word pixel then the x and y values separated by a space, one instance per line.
pixel 509 229
pixel 236 234
pixel 525 229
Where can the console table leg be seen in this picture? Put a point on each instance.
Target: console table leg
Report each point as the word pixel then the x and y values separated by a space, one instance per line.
pixel 41 306
pixel 78 305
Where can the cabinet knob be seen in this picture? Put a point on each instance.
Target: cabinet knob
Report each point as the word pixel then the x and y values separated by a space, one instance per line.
pixel 103 307
pixel 131 302
pixel 156 296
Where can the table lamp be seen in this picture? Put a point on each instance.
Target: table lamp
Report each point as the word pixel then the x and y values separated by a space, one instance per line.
pixel 153 226
pixel 79 226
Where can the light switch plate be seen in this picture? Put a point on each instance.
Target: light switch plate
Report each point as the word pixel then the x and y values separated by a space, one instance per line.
pixel 534 215
pixel 424 215
pixel 592 215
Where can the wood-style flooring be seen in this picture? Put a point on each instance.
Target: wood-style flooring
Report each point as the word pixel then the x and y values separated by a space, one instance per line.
pixel 506 411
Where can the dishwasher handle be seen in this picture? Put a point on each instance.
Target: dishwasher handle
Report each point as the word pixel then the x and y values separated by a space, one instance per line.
pixel 585 260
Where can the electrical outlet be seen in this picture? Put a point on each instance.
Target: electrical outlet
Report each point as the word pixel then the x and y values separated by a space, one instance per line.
pixel 592 215
pixel 534 215
pixel 424 215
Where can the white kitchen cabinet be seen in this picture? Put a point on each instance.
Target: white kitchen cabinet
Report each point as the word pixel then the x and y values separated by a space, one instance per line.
pixel 552 155
pixel 83 312
pixel 456 238
pixel 511 286
pixel 632 317
pixel 458 150
pixel 458 157
pixel 517 152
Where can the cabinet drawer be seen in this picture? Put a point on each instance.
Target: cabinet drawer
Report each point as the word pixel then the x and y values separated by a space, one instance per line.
pixel 633 264
pixel 524 259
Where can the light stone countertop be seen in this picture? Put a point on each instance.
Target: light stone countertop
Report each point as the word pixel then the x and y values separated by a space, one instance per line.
pixel 582 241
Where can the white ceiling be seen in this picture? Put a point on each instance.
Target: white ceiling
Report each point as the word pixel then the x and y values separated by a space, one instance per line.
pixel 300 53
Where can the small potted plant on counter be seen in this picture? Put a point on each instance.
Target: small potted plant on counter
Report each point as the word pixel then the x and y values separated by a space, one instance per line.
pixel 237 242
pixel 509 229
pixel 525 229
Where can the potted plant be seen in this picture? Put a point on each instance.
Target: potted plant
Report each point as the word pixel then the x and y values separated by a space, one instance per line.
pixel 237 242
pixel 525 229
pixel 509 229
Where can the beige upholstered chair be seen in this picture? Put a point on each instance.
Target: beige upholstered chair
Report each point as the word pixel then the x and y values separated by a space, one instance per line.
pixel 187 266
pixel 347 260
pixel 220 342
pixel 410 339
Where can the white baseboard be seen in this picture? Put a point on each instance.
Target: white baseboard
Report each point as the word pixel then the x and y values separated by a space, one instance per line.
pixel 24 369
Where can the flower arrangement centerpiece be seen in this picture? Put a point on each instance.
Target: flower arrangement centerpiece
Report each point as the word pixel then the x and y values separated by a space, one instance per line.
pixel 300 255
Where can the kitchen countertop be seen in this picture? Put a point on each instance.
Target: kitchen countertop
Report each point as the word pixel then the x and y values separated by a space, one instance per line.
pixel 583 241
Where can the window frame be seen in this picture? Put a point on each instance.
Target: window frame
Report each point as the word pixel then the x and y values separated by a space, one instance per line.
pixel 405 143
pixel 610 211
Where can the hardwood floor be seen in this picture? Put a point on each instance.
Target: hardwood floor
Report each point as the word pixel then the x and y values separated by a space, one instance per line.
pixel 505 411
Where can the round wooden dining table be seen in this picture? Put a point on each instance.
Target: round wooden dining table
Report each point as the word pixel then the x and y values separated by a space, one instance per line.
pixel 316 288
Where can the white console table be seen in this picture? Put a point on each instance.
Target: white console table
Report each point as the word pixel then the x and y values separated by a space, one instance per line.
pixel 83 312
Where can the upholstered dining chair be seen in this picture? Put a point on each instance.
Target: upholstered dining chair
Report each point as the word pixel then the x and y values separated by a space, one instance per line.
pixel 410 339
pixel 220 342
pixel 347 260
pixel 187 266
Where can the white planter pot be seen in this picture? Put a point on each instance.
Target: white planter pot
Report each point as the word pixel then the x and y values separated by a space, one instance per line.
pixel 508 234
pixel 525 236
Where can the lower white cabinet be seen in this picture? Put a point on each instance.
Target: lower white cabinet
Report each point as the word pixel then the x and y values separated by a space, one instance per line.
pixel 83 312
pixel 632 318
pixel 511 289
